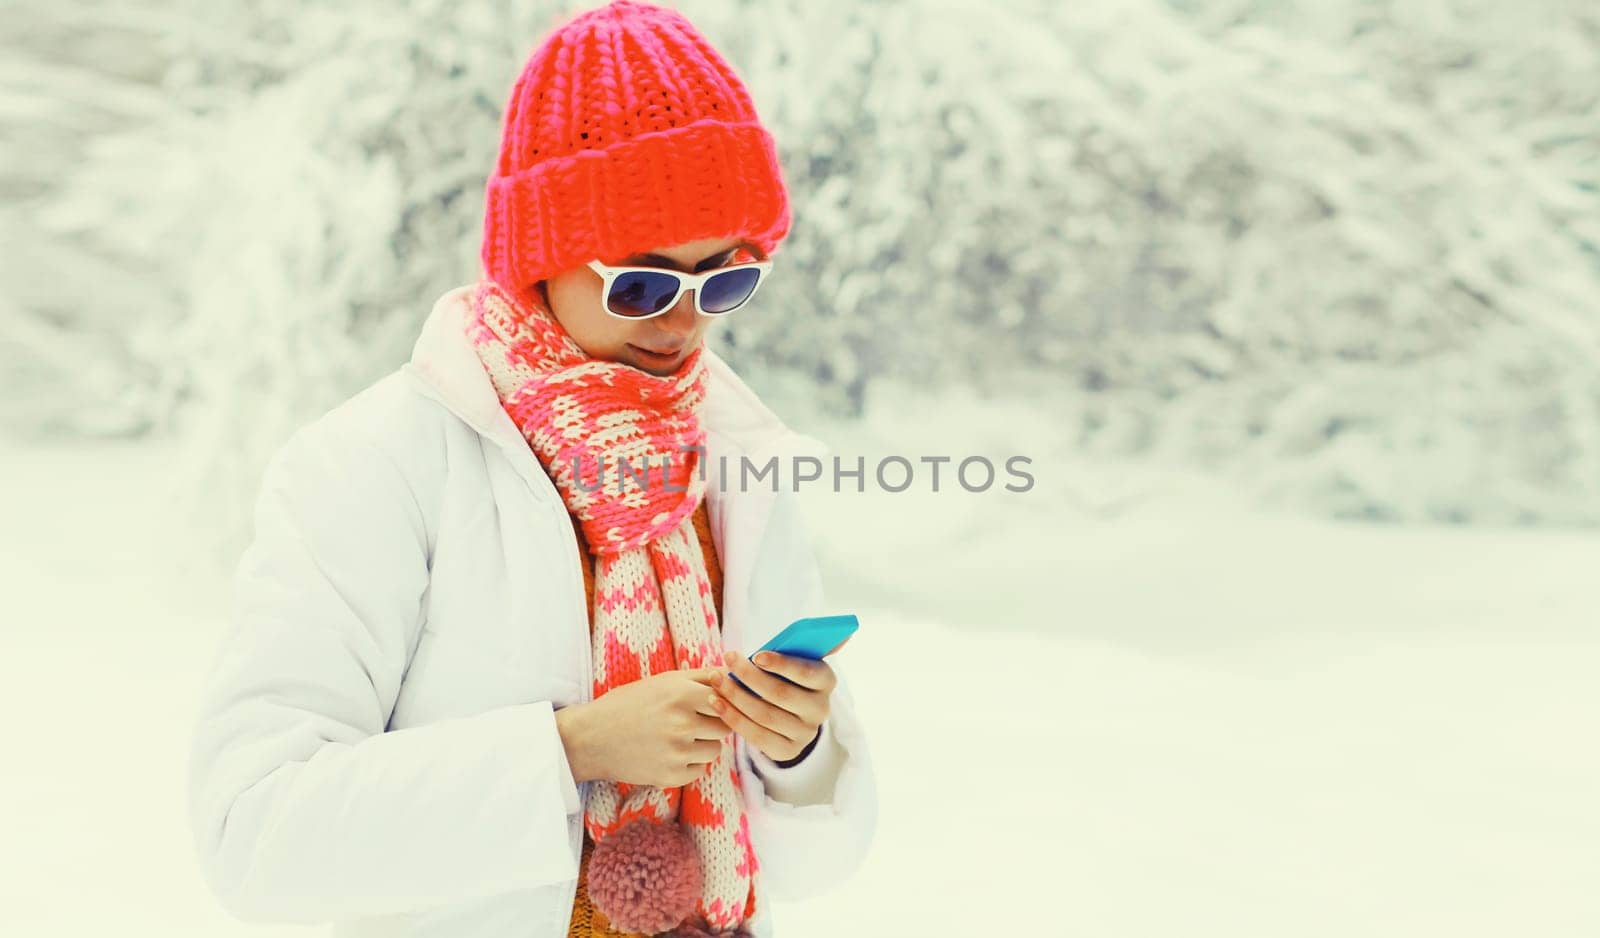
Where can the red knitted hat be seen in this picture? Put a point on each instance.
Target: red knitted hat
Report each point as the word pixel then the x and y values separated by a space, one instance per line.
pixel 626 131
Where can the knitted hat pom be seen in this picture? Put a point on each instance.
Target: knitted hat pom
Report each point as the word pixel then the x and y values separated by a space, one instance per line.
pixel 645 876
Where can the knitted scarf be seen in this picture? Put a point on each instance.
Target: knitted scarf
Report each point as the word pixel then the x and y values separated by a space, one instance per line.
pixel 664 858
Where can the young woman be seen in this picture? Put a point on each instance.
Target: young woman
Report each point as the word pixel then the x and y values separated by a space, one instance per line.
pixel 478 682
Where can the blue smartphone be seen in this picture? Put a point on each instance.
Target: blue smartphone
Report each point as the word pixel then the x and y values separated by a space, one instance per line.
pixel 811 637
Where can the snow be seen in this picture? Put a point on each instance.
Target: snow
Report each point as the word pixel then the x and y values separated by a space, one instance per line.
pixel 1126 707
pixel 1239 268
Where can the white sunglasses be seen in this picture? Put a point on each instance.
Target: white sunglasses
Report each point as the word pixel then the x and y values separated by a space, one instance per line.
pixel 646 292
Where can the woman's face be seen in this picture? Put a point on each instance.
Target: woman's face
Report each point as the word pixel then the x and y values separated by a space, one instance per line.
pixel 574 297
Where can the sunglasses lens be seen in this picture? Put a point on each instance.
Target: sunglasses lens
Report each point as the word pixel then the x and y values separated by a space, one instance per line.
pixel 641 293
pixel 727 291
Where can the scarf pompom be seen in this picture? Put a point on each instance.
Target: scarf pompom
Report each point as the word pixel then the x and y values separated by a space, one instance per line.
pixel 645 876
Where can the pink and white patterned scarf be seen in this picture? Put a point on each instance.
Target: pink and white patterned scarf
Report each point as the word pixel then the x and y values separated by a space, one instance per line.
pixel 664 858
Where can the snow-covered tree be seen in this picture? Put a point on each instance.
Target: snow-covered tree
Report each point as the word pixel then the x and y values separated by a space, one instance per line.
pixel 1347 254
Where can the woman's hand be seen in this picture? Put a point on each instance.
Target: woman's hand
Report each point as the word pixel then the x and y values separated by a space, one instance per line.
pixel 659 730
pixel 786 717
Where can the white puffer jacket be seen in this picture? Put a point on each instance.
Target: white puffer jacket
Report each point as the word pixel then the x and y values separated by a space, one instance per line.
pixel 376 746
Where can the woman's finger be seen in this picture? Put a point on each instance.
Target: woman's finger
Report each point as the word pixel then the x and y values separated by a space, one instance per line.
pixel 702 702
pixel 768 686
pixel 707 676
pixel 761 712
pixel 811 674
pixel 759 736
pixel 704 679
pixel 709 725
pixel 702 751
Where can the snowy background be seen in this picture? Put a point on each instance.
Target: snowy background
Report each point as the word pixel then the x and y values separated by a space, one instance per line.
pixel 1295 308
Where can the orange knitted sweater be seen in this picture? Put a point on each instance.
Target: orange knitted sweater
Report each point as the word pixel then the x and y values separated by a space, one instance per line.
pixel 587 921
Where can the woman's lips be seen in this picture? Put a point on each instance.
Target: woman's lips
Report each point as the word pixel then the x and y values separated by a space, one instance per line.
pixel 657 358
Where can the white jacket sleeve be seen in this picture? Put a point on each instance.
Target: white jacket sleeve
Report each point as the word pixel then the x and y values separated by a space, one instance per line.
pixel 303 808
pixel 814 822
pixel 813 779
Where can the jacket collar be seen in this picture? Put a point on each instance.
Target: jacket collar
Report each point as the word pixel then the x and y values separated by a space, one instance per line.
pixel 444 359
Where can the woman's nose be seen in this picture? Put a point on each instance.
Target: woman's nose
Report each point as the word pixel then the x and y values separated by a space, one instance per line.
pixel 679 320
